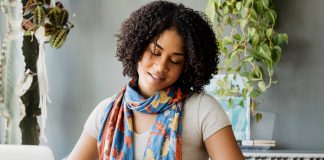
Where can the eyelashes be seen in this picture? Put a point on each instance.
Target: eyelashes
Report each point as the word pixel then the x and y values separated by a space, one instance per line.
pixel 157 54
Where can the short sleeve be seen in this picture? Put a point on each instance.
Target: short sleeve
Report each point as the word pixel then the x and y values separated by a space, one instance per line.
pixel 212 116
pixel 91 126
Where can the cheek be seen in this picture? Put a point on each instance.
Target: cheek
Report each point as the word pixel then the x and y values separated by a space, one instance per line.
pixel 145 63
pixel 139 68
pixel 176 72
pixel 142 66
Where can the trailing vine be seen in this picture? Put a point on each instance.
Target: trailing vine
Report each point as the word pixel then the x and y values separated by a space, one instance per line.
pixel 249 45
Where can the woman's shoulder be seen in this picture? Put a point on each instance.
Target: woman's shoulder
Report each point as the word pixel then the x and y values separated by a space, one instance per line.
pixel 103 104
pixel 207 115
pixel 91 126
pixel 201 100
pixel 100 109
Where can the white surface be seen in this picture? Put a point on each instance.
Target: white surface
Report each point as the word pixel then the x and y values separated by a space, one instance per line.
pixel 283 154
pixel 25 152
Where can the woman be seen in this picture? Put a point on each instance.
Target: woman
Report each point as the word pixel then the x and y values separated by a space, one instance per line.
pixel 170 52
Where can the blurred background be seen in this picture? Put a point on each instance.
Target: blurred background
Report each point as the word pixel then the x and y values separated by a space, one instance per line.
pixel 85 71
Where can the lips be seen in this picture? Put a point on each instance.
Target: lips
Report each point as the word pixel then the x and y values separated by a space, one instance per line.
pixel 157 77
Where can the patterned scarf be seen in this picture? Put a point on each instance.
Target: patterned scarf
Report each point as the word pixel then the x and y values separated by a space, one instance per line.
pixel 115 139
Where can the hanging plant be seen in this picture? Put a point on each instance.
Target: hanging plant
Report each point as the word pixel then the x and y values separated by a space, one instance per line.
pixel 249 45
pixel 39 13
pixel 42 21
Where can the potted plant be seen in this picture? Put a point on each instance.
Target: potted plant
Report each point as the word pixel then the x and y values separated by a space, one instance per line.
pixel 249 46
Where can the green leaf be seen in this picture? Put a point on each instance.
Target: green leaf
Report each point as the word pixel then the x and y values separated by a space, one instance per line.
pixel 269 64
pixel 243 23
pixel 258 6
pixel 248 59
pixel 244 12
pixel 27 33
pixel 230 103
pixel 272 16
pixel 258 117
pixel 229 69
pixel 265 52
pixel 54 15
pixel 256 73
pixel 253 16
pixel 241 103
pixel 284 36
pixel 238 69
pixel 256 53
pixel 38 16
pixel 232 55
pixel 245 74
pixel 237 36
pixel 221 83
pixel 224 50
pixel 251 32
pixel 226 10
pixel 254 93
pixel 227 41
pixel 262 86
pixel 238 6
pixel 210 11
pixel 49 29
pixel 219 20
pixel 280 38
pixel 229 21
pixel 248 86
pixel 269 32
pixel 229 3
pixel 276 54
pixel 58 38
pixel 63 18
pixel 265 3
pixel 255 39
pixel 247 3
pixel 244 93
pixel 217 3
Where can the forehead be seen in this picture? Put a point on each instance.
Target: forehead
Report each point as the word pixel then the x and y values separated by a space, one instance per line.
pixel 170 39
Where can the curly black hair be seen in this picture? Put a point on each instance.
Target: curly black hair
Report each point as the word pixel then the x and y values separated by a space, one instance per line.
pixel 149 21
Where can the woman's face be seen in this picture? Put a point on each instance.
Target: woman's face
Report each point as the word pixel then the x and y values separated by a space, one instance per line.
pixel 162 63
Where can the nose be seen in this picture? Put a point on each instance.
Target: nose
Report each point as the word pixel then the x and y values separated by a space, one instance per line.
pixel 161 65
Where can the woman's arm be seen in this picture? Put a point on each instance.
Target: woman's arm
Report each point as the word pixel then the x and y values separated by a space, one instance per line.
pixel 85 149
pixel 222 145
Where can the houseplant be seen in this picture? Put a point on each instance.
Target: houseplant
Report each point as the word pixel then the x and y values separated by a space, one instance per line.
pixel 249 46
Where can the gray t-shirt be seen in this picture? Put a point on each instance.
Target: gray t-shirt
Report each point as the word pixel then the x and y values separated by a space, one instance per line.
pixel 203 116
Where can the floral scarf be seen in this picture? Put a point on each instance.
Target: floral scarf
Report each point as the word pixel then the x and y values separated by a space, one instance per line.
pixel 115 139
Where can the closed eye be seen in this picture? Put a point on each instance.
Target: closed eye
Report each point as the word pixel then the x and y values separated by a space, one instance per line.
pixel 175 62
pixel 155 53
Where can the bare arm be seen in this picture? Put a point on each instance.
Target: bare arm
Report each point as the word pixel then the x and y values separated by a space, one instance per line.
pixel 85 149
pixel 222 145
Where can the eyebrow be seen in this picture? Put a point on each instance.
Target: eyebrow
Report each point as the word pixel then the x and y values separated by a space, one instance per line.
pixel 175 53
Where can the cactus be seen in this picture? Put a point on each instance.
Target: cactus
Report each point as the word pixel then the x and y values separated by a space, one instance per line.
pixel 11 59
